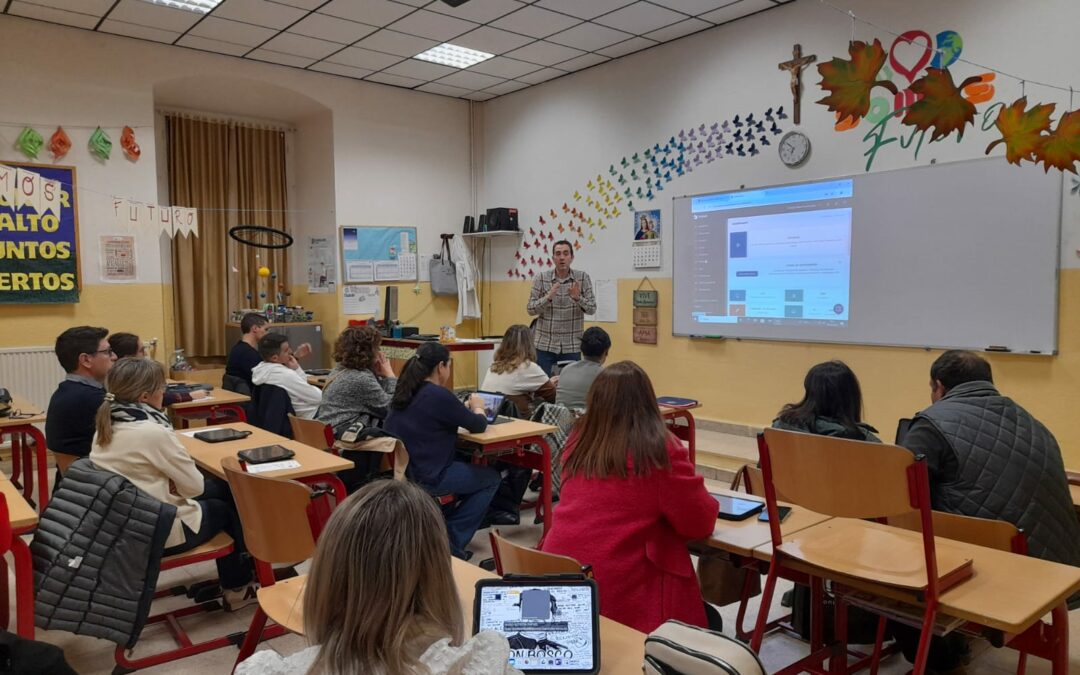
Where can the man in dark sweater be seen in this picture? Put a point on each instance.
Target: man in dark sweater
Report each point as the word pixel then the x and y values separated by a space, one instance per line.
pixel 245 354
pixel 85 355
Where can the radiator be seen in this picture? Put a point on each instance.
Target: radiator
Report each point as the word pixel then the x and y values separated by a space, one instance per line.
pixel 31 373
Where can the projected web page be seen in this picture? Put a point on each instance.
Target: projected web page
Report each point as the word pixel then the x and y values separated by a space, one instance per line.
pixel 773 256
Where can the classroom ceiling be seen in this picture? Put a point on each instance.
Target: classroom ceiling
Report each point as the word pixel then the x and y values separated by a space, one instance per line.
pixel 375 40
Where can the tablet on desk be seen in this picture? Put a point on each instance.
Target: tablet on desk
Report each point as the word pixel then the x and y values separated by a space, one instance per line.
pixel 492 403
pixel 265 453
pixel 221 435
pixel 734 508
pixel 551 623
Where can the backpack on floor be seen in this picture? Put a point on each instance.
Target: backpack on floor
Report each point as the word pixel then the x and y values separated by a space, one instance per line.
pixel 676 648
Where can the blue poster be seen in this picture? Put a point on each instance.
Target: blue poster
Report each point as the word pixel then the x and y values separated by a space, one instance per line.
pixel 38 247
pixel 377 254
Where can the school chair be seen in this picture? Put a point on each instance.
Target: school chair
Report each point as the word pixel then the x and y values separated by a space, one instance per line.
pixel 63 460
pixel 511 558
pixel 282 520
pixel 850 482
pixel 313 432
pixel 269 409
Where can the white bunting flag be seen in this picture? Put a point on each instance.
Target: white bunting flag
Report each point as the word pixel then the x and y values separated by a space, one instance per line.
pixel 27 190
pixel 7 185
pixel 50 196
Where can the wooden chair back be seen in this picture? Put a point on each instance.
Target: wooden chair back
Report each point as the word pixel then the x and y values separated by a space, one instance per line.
pixel 996 534
pixel 274 514
pixel 838 477
pixel 511 558
pixel 63 461
pixel 312 432
pixel 751 479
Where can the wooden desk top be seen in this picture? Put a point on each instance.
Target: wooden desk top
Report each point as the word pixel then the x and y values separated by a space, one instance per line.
pixel 463 345
pixel 23 406
pixel 751 537
pixel 22 516
pixel 218 396
pixel 313 462
pixel 669 410
pixel 622 648
pixel 508 431
pixel 317 380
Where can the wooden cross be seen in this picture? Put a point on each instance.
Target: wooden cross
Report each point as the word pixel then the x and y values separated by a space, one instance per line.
pixel 795 67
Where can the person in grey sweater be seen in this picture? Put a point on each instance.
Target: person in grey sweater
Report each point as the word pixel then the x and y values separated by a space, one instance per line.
pixel 358 390
pixel 576 378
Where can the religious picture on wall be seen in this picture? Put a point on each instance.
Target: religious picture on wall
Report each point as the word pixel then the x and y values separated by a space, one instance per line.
pixel 647 225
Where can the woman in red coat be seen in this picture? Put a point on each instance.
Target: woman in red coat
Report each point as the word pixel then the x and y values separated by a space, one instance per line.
pixel 630 502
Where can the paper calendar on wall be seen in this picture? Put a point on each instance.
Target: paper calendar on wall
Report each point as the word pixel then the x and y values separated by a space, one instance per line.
pixel 646 244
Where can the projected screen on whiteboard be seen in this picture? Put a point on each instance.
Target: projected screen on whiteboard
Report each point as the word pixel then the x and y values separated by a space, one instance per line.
pixel 785 254
pixel 950 255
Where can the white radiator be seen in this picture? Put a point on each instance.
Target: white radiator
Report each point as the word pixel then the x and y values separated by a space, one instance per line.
pixel 31 373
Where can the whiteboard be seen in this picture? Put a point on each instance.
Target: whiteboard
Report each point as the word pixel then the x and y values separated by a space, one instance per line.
pixel 961 255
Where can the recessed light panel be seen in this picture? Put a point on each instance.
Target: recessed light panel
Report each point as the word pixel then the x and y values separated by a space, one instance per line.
pixel 197 6
pixel 447 54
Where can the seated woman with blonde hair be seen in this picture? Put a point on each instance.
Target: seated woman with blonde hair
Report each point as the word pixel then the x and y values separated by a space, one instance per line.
pixel 514 371
pixel 383 600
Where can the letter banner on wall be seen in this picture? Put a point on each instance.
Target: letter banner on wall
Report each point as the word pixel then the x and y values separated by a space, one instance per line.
pixel 39 234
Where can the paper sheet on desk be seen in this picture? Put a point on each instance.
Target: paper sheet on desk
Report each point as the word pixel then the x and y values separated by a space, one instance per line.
pixel 273 466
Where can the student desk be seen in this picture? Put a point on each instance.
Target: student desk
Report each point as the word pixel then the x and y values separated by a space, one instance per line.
pixel 219 400
pixel 686 433
pixel 751 538
pixel 315 465
pixel 622 648
pixel 512 437
pixel 318 380
pixel 23 519
pixel 22 455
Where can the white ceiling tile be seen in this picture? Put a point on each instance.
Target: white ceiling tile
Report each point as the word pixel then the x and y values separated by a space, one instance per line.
pixel 480 11
pixel 53 15
pixel 259 12
pixel 541 75
pixel 535 21
pixel 236 32
pixel 278 57
pixel 416 3
pixel 640 18
pixel 216 46
pixel 479 96
pixel 492 40
pixel 586 10
pixel 421 70
pixel 364 58
pixel 471 81
pixel 137 31
pixel 506 87
pixel 332 28
pixel 630 46
pixel 156 16
pixel 500 66
pixel 677 30
pixel 589 36
pixel 393 42
pixel 544 53
pixel 583 62
pixel 338 69
pixel 298 45
pixel 95 7
pixel 693 7
pixel 396 80
pixel 371 12
pixel 432 25
pixel 737 10
pixel 302 4
pixel 443 89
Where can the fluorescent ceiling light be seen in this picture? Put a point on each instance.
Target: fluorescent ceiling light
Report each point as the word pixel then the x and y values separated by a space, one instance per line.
pixel 452 55
pixel 197 6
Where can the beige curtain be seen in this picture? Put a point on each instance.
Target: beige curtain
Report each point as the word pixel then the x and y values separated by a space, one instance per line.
pixel 234 175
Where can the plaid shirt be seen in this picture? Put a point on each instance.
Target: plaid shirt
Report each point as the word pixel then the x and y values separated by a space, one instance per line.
pixel 561 320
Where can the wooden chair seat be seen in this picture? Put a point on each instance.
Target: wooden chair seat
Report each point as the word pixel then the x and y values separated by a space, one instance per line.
pixel 284 603
pixel 219 546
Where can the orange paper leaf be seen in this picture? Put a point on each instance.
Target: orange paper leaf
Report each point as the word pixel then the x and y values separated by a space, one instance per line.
pixel 59 143
pixel 1022 130
pixel 942 106
pixel 130 147
pixel 849 81
pixel 1061 149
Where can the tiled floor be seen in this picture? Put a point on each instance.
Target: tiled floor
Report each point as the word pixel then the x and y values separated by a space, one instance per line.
pixel 720 455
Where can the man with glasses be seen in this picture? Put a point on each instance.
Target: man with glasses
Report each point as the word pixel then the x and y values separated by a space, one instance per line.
pixel 84 353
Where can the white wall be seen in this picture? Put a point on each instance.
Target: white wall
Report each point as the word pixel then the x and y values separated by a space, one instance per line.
pixel 543 143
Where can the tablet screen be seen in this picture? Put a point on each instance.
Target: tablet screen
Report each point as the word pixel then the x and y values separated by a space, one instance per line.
pixel 734 508
pixel 492 403
pixel 550 627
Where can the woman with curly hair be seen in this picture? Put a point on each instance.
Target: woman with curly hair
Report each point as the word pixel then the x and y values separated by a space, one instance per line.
pixel 358 390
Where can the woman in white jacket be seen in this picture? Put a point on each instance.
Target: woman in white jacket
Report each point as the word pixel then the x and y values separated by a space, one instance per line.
pixel 381 599
pixel 135 439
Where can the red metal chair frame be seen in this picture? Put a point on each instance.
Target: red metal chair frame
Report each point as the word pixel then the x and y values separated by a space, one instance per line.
pixel 24 453
pixel 918 487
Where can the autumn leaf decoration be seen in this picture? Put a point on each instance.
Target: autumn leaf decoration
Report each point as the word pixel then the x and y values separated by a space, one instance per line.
pixel 1022 130
pixel 1061 149
pixel 941 104
pixel 849 81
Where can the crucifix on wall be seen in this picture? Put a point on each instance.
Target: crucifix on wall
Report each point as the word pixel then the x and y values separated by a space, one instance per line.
pixel 795 67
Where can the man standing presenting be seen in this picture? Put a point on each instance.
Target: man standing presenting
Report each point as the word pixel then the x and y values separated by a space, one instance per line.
pixel 560 299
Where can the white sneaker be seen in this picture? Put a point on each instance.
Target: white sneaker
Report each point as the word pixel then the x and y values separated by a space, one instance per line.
pixel 237 598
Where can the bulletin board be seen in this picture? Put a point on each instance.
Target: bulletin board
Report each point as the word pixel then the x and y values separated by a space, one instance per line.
pixel 371 255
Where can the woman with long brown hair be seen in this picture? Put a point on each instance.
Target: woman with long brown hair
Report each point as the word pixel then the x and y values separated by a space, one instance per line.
pixel 381 598
pixel 514 371
pixel 629 504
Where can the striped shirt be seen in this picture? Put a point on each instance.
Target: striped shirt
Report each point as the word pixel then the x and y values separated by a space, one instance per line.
pixel 561 320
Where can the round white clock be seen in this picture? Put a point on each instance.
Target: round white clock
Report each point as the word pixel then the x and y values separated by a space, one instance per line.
pixel 794 148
